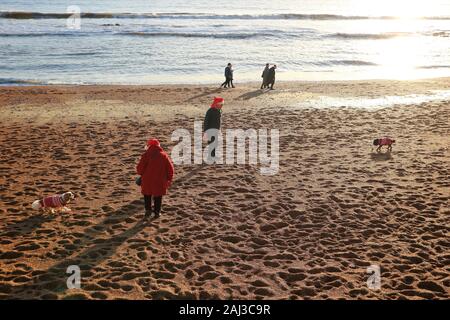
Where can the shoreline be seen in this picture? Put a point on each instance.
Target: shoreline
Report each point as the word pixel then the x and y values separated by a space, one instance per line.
pixel 220 80
pixel 206 79
pixel 245 91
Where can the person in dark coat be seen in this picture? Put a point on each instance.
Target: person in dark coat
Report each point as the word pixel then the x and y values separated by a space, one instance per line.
pixel 228 77
pixel 265 75
pixel 212 121
pixel 156 171
pixel 271 76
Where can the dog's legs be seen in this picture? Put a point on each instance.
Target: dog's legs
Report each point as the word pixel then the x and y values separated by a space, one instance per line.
pixel 379 149
pixel 65 210
pixel 49 210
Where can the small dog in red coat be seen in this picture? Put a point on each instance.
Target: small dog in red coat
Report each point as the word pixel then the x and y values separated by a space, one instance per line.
pixel 384 142
pixel 55 203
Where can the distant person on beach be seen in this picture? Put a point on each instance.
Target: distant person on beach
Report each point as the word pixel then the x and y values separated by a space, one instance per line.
pixel 228 77
pixel 212 121
pixel 265 76
pixel 156 171
pixel 271 76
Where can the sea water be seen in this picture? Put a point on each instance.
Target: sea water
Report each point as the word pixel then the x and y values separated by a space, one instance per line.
pixel 174 41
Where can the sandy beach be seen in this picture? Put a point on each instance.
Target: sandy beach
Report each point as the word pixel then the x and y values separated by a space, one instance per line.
pixel 311 231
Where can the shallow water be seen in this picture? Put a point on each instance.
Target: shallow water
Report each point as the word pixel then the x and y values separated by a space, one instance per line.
pixel 376 103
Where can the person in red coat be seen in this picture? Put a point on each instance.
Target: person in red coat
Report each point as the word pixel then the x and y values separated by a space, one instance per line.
pixel 156 171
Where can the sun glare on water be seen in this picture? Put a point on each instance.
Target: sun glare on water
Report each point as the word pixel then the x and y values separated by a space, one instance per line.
pixel 402 9
pixel 401 56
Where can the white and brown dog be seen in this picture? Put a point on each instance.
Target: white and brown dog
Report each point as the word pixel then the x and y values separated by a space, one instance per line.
pixel 55 203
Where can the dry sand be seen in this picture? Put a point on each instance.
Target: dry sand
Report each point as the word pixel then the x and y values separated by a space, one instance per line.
pixel 310 231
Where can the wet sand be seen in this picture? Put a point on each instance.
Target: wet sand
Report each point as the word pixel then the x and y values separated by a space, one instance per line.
pixel 335 207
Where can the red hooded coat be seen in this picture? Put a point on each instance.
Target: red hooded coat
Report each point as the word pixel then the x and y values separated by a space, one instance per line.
pixel 156 171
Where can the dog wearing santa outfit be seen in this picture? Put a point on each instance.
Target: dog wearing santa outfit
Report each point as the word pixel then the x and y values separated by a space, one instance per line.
pixel 386 141
pixel 55 203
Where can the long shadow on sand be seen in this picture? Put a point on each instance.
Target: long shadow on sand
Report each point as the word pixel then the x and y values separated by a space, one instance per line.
pixel 206 93
pixel 188 175
pixel 251 95
pixel 94 251
pixel 380 156
pixel 90 251
pixel 26 225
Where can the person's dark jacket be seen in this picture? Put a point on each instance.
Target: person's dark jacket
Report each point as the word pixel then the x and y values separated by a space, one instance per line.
pixel 228 73
pixel 265 76
pixel 212 119
pixel 265 72
pixel 271 75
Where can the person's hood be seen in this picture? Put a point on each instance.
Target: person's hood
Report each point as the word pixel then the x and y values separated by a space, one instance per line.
pixel 154 149
pixel 153 142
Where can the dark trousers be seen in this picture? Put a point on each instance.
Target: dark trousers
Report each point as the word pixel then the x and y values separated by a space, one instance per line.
pixel 227 83
pixel 148 204
pixel 271 84
pixel 264 85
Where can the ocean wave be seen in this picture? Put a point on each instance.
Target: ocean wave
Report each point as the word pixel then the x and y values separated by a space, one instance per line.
pixel 46 34
pixel 11 81
pixel 167 34
pixel 305 34
pixel 25 15
pixel 435 67
pixel 350 63
pixel 443 33
pixel 277 34
pixel 201 35
pixel 186 15
pixel 369 36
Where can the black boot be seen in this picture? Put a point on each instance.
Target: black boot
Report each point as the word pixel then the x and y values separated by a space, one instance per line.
pixel 147 214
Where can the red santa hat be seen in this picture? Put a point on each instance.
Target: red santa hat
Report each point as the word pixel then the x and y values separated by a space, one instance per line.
pixel 217 103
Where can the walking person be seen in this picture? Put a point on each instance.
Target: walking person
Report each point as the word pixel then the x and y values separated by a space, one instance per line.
pixel 265 75
pixel 228 76
pixel 271 76
pixel 211 125
pixel 156 171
